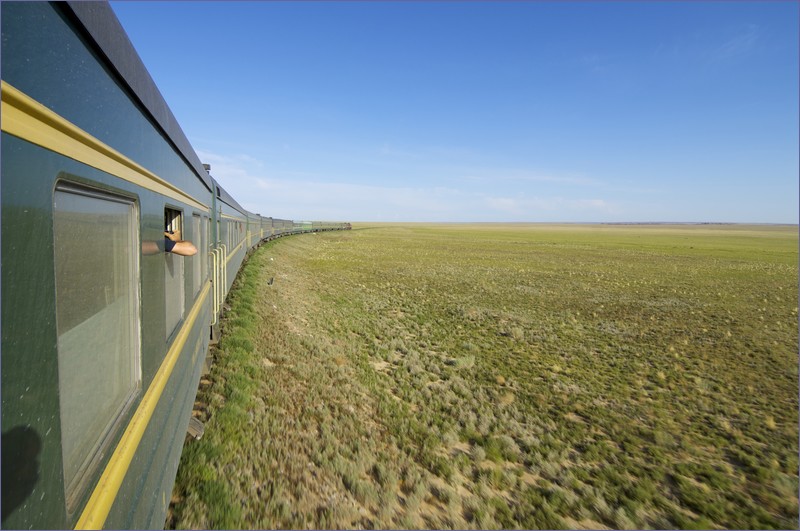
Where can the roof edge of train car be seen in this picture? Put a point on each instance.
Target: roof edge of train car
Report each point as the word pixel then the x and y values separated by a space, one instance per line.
pixel 103 28
pixel 228 199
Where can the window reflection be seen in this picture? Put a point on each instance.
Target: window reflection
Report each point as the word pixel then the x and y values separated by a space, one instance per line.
pixel 97 308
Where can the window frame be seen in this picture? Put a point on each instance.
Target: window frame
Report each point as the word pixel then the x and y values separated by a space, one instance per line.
pixel 77 487
pixel 197 259
pixel 179 215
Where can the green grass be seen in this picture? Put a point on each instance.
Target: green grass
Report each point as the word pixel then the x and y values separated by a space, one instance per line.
pixel 498 376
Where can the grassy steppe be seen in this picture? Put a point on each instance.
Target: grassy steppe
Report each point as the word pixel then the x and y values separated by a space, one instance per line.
pixel 487 376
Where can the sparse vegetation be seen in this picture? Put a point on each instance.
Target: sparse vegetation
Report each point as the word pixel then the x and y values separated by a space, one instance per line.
pixel 493 376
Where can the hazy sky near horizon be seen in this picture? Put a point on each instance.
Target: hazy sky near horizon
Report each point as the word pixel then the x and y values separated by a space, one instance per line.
pixel 486 111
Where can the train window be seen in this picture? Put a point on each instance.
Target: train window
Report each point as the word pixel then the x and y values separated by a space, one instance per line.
pixel 173 273
pixel 205 248
pixel 198 258
pixel 96 251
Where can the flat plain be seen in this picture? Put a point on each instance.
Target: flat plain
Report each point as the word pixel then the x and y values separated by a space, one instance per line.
pixel 504 376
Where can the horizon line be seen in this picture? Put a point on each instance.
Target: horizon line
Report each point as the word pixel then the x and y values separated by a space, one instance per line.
pixel 781 224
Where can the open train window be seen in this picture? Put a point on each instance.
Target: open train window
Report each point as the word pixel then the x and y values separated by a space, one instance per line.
pixel 173 272
pixel 96 252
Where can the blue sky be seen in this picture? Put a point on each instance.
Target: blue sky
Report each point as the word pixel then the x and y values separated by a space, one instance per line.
pixel 519 111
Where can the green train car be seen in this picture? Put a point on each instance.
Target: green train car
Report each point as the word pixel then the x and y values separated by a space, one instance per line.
pixel 103 333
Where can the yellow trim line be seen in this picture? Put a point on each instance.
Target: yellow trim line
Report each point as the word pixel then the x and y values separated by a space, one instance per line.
pixel 105 492
pixel 26 118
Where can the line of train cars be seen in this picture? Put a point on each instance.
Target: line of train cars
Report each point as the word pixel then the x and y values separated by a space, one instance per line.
pixel 104 334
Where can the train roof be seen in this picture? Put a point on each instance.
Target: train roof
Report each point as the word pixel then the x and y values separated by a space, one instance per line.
pixel 104 29
pixel 228 199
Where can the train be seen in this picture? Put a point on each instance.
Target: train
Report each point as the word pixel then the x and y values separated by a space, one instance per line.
pixel 104 332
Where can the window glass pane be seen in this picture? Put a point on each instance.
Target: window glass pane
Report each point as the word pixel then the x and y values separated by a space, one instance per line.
pixel 97 308
pixel 174 290
pixel 196 259
pixel 206 246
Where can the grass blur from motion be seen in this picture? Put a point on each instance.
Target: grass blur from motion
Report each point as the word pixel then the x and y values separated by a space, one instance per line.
pixel 504 376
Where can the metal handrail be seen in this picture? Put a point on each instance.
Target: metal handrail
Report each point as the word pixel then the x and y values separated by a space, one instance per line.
pixel 214 281
pixel 224 273
pixel 221 277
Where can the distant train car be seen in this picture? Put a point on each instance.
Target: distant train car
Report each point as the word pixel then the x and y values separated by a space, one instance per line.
pixel 283 226
pixel 232 222
pixel 302 226
pixel 103 332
